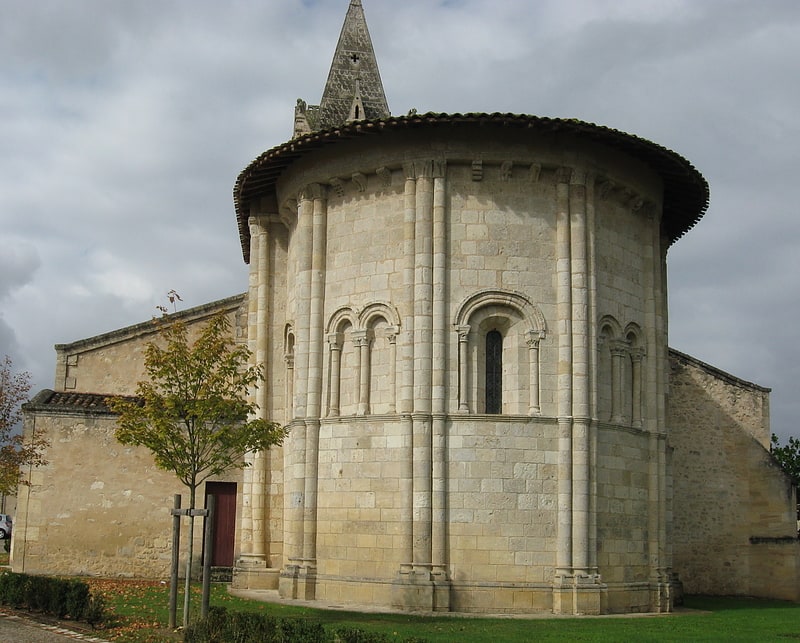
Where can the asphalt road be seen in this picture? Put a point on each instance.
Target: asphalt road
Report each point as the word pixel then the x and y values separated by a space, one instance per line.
pixel 17 629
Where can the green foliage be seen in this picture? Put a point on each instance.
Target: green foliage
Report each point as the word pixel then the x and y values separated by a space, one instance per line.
pixel 193 413
pixel 59 597
pixel 355 635
pixel 247 627
pixel 15 450
pixel 788 456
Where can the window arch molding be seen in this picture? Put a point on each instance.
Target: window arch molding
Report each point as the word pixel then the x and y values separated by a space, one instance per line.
pixel 636 354
pixel 499 310
pixel 611 352
pixel 379 323
pixel 620 384
pixel 379 309
pixel 504 299
pixel 353 352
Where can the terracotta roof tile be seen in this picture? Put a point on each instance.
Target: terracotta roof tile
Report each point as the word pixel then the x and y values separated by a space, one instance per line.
pixel 66 401
pixel 686 192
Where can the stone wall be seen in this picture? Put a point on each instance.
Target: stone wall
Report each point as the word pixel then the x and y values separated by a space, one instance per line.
pixel 735 529
pixel 97 508
pixel 114 362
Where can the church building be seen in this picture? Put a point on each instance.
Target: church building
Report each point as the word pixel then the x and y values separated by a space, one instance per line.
pixel 463 319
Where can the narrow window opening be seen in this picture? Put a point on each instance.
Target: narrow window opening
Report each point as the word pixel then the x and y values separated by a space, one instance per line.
pixel 494 372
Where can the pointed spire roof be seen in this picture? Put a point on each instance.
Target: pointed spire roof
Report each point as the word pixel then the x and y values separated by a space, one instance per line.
pixel 354 90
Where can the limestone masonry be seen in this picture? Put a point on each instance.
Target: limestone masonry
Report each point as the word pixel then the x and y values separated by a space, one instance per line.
pixel 464 323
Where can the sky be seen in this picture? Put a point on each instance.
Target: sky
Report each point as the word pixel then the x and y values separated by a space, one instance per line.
pixel 124 124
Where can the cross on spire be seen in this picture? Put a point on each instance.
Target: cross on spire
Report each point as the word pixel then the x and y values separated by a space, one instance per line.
pixel 354 90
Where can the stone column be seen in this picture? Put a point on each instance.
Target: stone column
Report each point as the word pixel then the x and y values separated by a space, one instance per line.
pixel 423 370
pixel 288 359
pixel 534 336
pixel 564 382
pixel 294 449
pixel 405 400
pixel 307 580
pixel 246 530
pixel 653 393
pixel 392 339
pixel 406 397
pixel 317 302
pixel 636 387
pixel 336 373
pixel 580 376
pixel 439 285
pixel 304 236
pixel 361 343
pixel 260 472
pixel 463 368
pixel 619 350
pixel 441 597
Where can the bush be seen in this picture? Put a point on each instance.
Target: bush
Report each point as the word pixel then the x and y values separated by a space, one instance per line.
pixel 59 597
pixel 222 626
pixel 355 635
pixel 12 589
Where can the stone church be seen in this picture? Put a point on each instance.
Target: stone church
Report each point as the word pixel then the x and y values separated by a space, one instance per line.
pixel 464 322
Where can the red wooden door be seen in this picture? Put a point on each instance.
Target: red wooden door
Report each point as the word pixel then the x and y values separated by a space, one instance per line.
pixel 224 523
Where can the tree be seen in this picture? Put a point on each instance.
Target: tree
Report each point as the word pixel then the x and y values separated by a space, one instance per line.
pixel 788 456
pixel 193 412
pixel 15 451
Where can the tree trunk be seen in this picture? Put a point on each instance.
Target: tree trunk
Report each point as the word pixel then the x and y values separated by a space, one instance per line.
pixel 188 586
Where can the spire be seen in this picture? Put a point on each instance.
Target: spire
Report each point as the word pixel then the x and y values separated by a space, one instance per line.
pixel 354 90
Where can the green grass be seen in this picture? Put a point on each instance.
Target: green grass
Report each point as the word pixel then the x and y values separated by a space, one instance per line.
pixel 141 617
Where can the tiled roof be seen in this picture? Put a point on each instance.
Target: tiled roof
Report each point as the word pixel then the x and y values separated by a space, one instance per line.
pixel 685 190
pixel 65 401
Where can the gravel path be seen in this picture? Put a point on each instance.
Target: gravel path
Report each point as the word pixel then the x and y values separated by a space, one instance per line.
pixel 18 629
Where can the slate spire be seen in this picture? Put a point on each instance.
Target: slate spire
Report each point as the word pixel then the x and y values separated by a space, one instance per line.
pixel 354 90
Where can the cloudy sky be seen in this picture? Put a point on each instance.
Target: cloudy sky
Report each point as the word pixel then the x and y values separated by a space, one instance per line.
pixel 123 126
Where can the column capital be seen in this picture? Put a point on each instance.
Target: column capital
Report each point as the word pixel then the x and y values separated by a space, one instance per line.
pixel 563 174
pixel 637 354
pixel 578 177
pixel 619 347
pixel 391 334
pixel 313 191
pixel 359 337
pixel 463 332
pixel 533 337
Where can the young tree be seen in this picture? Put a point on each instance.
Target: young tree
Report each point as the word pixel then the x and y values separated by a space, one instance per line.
pixel 15 452
pixel 788 456
pixel 193 412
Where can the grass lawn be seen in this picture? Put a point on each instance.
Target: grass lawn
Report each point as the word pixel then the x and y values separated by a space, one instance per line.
pixel 139 612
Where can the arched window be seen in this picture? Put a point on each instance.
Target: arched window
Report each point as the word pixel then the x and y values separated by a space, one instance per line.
pixel 494 372
pixel 498 353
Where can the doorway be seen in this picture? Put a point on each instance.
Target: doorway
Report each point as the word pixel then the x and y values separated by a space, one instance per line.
pixel 223 523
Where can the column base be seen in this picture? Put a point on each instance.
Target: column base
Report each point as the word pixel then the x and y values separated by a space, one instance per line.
pixel 298 581
pixel 421 588
pixel 287 581
pixel 666 591
pixel 579 594
pixel 251 572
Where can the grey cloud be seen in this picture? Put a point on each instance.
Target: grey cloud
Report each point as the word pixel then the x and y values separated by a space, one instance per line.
pixel 123 135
